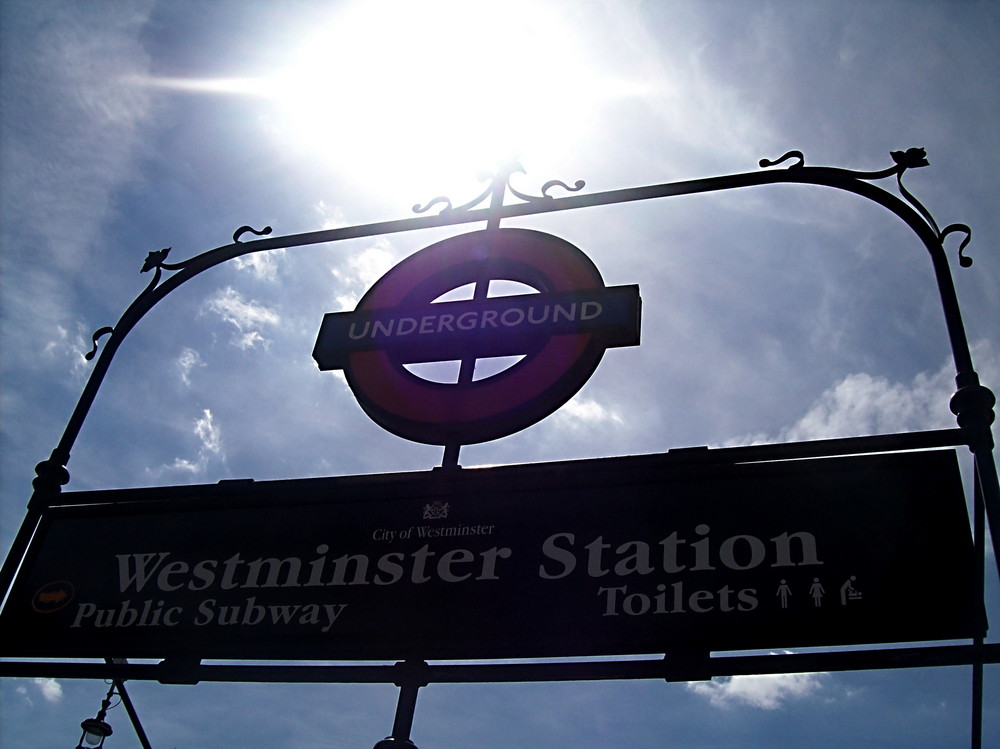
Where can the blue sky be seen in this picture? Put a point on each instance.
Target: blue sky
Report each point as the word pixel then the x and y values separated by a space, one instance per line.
pixel 770 314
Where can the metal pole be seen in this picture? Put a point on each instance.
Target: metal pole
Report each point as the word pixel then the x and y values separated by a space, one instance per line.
pixel 977 701
pixel 405 708
pixel 979 543
pixel 409 684
pixel 481 290
pixel 132 714
pixel 937 656
pixel 986 475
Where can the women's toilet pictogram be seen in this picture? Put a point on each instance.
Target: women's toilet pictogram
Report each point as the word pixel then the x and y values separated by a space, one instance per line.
pixel 561 333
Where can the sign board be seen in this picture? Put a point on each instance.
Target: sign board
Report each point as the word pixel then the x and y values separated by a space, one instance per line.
pixel 560 333
pixel 499 326
pixel 642 554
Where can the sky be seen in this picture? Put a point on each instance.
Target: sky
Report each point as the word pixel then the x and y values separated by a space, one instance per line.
pixel 770 314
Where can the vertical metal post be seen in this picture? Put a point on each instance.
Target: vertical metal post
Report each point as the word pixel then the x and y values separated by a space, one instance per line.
pixel 979 544
pixel 977 700
pixel 989 487
pixel 405 708
pixel 132 714
pixel 480 293
pixel 409 684
pixel 973 405
pixel 450 457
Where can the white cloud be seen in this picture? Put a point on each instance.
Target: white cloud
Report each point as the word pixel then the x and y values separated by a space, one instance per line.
pixel 68 348
pixel 187 361
pixel 263 265
pixel 208 432
pixel 209 436
pixel 330 217
pixel 585 412
pixel 250 339
pixel 767 692
pixel 188 466
pixel 245 315
pixel 360 271
pixel 861 404
pixel 50 688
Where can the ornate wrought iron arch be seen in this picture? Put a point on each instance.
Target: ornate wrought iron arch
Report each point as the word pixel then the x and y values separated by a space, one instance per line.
pixel 972 404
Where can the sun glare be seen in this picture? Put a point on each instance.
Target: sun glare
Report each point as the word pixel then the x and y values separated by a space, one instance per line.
pixel 425 92
pixel 402 97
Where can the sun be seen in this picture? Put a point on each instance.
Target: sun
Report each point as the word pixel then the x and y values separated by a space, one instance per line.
pixel 433 93
pixel 398 97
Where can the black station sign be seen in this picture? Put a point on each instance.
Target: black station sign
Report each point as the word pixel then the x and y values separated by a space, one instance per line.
pixel 643 554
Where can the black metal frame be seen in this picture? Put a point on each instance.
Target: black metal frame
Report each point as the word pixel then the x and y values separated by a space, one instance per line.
pixel 972 404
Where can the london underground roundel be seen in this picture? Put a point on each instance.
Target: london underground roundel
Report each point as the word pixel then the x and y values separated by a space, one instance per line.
pixel 560 333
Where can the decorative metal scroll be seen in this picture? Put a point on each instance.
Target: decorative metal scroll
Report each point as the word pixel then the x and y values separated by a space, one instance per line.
pixel 500 180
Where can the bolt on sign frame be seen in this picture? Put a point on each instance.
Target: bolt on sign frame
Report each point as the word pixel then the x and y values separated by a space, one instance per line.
pixel 972 404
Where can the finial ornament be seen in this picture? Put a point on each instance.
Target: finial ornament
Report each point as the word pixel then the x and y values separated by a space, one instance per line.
pixel 911 158
pixel 499 180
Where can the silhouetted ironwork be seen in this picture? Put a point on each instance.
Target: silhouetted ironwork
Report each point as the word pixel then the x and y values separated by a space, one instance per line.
pixel 972 404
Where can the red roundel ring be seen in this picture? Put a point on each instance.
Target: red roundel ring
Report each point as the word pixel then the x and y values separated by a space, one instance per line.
pixel 548 376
